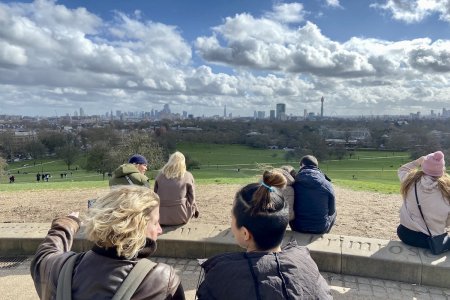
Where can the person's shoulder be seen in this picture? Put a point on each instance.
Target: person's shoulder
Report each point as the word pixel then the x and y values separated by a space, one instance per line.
pixel 222 259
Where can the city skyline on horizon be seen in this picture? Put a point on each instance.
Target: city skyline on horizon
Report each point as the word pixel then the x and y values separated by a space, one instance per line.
pixel 365 58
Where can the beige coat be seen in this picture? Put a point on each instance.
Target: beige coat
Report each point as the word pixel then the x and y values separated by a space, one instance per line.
pixel 288 193
pixel 435 208
pixel 177 196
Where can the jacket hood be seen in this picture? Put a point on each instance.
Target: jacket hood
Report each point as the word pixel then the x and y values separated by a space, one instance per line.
pixel 149 249
pixel 310 177
pixel 238 257
pixel 125 169
pixel 429 183
pixel 289 179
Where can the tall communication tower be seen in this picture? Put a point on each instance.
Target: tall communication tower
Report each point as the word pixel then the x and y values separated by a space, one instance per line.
pixel 321 107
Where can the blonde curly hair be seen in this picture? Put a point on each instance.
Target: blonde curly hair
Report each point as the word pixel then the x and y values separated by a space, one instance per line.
pixel 119 219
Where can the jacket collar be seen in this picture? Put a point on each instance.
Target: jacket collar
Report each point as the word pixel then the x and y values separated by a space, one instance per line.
pixel 149 248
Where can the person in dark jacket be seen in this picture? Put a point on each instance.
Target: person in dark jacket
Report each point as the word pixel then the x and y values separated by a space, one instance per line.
pixel 123 225
pixel 314 199
pixel 265 270
pixel 132 172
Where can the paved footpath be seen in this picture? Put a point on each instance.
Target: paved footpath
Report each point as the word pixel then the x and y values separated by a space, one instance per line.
pixel 16 283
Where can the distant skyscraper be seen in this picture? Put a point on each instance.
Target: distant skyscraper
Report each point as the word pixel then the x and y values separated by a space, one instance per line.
pixel 305 113
pixel 166 109
pixel 255 114
pixel 281 111
pixel 225 111
pixel 81 112
pixel 321 107
pixel 261 114
pixel 272 114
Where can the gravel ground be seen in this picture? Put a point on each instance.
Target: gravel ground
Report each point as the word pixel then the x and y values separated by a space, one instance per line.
pixel 365 214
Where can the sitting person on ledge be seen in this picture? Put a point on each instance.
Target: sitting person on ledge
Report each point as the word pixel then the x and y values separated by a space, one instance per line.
pixel 123 226
pixel 176 189
pixel 432 185
pixel 314 200
pixel 265 270
pixel 131 173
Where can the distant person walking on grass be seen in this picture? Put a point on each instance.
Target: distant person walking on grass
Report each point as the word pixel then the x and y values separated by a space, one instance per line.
pixel 176 189
pixel 314 199
pixel 432 185
pixel 132 172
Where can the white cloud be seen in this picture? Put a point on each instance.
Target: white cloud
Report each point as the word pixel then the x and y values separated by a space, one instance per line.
pixel 288 12
pixel 53 56
pixel 414 11
pixel 333 3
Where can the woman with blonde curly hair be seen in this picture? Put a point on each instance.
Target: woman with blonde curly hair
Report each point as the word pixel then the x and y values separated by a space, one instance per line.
pixel 429 187
pixel 123 225
pixel 176 189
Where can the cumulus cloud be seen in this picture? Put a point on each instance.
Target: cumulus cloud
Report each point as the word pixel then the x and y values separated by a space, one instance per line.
pixel 288 12
pixel 333 3
pixel 414 11
pixel 53 56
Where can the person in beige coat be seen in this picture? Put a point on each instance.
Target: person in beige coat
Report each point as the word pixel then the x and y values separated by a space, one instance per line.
pixel 288 191
pixel 432 184
pixel 176 190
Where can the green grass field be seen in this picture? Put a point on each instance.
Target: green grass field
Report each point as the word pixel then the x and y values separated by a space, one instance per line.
pixel 225 164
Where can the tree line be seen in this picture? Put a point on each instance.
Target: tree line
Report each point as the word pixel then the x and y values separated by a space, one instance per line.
pixel 103 148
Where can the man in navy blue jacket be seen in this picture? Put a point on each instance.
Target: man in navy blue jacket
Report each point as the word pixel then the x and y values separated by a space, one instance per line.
pixel 314 201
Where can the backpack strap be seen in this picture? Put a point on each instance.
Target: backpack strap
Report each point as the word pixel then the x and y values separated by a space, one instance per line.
pixel 128 179
pixel 134 279
pixel 64 285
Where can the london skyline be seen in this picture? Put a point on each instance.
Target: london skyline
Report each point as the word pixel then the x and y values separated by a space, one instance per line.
pixel 363 57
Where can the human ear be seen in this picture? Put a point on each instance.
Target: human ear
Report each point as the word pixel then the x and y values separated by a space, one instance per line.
pixel 247 234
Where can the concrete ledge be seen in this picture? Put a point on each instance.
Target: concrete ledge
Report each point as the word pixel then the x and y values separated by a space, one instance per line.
pixel 358 256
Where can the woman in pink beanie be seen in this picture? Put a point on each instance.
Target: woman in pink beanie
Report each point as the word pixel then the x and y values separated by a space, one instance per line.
pixel 433 193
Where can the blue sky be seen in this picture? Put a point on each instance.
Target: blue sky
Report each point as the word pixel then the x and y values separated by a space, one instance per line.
pixel 370 57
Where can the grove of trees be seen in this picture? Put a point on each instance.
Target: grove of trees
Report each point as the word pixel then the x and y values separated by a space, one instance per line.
pixel 103 147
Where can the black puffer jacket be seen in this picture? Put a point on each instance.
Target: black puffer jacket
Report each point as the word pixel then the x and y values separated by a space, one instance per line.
pixel 289 274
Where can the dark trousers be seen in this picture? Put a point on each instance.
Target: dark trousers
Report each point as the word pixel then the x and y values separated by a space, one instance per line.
pixel 411 237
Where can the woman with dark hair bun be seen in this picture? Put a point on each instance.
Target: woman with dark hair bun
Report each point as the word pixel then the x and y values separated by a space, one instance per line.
pixel 259 218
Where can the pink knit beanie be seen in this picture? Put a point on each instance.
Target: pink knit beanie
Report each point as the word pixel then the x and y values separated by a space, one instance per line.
pixel 434 164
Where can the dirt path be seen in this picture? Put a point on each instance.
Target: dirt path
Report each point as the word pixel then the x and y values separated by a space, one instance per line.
pixel 364 214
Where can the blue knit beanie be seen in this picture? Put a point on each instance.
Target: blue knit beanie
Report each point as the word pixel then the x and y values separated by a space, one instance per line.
pixel 138 159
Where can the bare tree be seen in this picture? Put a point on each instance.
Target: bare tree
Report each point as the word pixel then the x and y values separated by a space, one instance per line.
pixel 139 143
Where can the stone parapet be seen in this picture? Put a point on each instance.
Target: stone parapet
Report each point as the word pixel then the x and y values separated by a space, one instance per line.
pixel 349 255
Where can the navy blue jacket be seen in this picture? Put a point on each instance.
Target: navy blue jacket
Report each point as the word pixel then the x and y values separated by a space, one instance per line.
pixel 314 201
